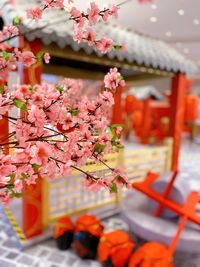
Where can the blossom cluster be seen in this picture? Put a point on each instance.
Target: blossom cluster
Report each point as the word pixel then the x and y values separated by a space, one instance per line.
pixel 113 79
pixel 59 131
pixel 10 57
pixel 83 22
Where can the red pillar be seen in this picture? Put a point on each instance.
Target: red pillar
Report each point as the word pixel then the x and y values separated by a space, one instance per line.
pixel 4 131
pixel 146 122
pixel 32 195
pixel 117 112
pixel 179 91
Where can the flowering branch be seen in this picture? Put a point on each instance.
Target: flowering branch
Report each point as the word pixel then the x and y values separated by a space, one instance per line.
pixel 80 125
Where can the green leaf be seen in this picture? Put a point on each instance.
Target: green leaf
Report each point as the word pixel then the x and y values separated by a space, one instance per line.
pixel 113 188
pixel 24 175
pixel 31 88
pixel 117 47
pixel 99 148
pixel 10 186
pixel 115 139
pixel 5 55
pixel 74 111
pixel 18 195
pixel 36 166
pixel 12 177
pixel 1 89
pixel 40 56
pixel 16 21
pixel 120 78
pixel 59 88
pixel 20 104
pixel 116 125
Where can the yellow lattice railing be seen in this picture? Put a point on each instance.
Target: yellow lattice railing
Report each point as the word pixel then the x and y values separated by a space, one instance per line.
pixel 68 196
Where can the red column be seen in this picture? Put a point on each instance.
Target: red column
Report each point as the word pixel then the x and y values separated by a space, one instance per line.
pixel 146 122
pixel 179 90
pixel 117 112
pixel 32 195
pixel 4 131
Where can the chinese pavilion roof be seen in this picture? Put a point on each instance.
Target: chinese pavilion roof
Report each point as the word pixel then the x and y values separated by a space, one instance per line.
pixel 140 50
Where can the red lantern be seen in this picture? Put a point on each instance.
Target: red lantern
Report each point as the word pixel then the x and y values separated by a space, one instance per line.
pixel 130 102
pixel 191 109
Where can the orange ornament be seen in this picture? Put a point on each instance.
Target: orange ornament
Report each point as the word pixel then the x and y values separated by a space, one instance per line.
pixel 89 223
pixel 63 224
pixel 151 254
pixel 115 246
pixel 63 233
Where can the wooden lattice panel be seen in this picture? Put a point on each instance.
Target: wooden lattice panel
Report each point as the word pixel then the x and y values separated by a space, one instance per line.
pixel 137 163
pixel 69 196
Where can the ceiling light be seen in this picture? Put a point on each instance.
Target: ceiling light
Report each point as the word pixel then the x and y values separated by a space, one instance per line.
pixel 186 50
pixel 154 6
pixel 196 21
pixel 181 12
pixel 153 19
pixel 168 34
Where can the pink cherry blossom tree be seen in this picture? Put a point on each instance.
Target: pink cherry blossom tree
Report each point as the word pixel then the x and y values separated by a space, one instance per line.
pixel 59 130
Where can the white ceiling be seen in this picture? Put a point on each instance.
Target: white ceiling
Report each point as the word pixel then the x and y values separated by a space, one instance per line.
pixel 185 34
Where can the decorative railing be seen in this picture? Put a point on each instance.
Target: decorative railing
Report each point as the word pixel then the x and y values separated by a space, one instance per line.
pixel 68 196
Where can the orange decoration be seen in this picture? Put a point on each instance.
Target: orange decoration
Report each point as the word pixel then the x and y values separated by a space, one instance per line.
pixel 117 109
pixel 151 254
pixel 191 108
pixel 89 223
pixel 137 119
pixel 130 102
pixel 60 128
pixel 63 225
pixel 117 246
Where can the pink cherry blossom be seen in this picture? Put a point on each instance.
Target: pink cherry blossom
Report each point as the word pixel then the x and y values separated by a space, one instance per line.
pixel 90 37
pixel 6 167
pixel 10 30
pixel 93 13
pixel 28 58
pixel 39 153
pixel 114 10
pixel 34 13
pixel 106 98
pixel 47 58
pixel 78 34
pixel 93 185
pixel 105 45
pixel 55 3
pixel 60 128
pixel 36 116
pixel 65 169
pixel 18 185
pixel 113 79
pixel 5 198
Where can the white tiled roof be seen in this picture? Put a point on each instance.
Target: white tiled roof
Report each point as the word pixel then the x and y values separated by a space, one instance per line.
pixel 144 92
pixel 140 49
